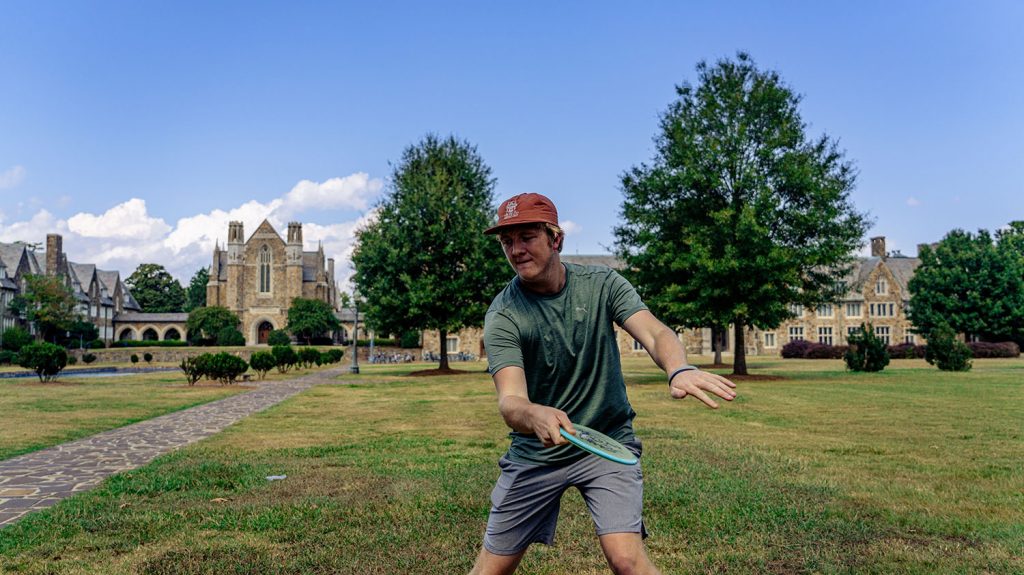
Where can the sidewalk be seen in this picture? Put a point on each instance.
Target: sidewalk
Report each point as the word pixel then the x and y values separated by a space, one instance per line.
pixel 42 478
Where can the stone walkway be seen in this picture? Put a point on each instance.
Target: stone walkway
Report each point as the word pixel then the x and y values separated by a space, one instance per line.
pixel 42 478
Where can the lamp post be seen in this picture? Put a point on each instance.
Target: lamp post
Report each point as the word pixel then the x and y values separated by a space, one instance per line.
pixel 355 335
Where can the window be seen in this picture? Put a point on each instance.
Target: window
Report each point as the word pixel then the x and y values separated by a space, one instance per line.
pixel 825 310
pixel 882 309
pixel 850 330
pixel 796 333
pixel 796 309
pixel 910 338
pixel 769 339
pixel 265 270
pixel 451 345
pixel 853 310
pixel 825 335
pixel 882 332
pixel 881 287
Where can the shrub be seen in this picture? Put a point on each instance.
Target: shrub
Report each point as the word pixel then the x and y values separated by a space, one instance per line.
pixel 946 352
pixel 46 359
pixel 16 338
pixel 334 355
pixel 261 362
pixel 88 358
pixel 72 360
pixel 906 351
pixel 229 336
pixel 134 358
pixel 796 349
pixel 225 367
pixel 825 351
pixel 308 356
pixel 7 357
pixel 984 349
pixel 285 357
pixel 95 344
pixel 278 337
pixel 148 357
pixel 867 351
pixel 149 343
pixel 203 363
pixel 192 369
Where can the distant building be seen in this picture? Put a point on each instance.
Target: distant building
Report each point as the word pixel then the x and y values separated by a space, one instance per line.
pixel 257 278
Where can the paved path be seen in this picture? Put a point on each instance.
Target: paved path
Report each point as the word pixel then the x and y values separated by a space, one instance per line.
pixel 42 478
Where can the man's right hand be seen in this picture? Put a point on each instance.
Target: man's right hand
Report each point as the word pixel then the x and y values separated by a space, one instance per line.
pixel 547 422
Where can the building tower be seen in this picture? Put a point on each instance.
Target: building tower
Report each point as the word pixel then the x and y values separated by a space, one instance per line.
pixel 234 299
pixel 293 261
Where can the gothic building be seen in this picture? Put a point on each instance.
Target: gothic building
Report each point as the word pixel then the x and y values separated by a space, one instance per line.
pixel 258 278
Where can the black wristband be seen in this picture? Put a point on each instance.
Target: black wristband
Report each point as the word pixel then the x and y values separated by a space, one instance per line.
pixel 681 370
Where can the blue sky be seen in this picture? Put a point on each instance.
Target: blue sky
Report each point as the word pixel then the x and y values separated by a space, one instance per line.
pixel 138 129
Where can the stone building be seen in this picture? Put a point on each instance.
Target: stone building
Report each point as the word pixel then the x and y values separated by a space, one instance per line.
pixel 101 295
pixel 877 295
pixel 257 278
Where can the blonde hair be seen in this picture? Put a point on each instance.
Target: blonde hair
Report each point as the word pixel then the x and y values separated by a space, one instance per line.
pixel 554 232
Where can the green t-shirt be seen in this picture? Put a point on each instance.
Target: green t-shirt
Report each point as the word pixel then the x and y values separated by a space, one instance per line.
pixel 566 345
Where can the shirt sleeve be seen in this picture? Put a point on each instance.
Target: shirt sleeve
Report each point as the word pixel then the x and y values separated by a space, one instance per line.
pixel 623 300
pixel 502 342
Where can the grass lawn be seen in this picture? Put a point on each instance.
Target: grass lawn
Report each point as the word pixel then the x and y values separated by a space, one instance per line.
pixel 907 471
pixel 38 415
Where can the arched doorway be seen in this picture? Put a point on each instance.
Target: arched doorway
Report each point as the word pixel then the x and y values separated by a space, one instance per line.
pixel 127 334
pixel 150 335
pixel 172 333
pixel 263 332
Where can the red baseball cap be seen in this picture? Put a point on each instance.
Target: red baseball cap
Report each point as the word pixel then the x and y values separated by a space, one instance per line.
pixel 526 208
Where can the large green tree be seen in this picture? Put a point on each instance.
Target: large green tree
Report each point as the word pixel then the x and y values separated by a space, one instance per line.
pixel 206 323
pixel 155 289
pixel 740 213
pixel 310 318
pixel 424 262
pixel 973 283
pixel 48 304
pixel 195 293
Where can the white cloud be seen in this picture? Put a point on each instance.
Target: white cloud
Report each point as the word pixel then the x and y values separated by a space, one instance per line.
pixel 570 227
pixel 913 202
pixel 126 235
pixel 12 177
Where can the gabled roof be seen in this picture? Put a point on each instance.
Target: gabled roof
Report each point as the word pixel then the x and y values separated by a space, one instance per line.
pixel 901 268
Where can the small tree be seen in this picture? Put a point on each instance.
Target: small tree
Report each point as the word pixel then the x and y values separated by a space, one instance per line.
pixel 229 336
pixel 285 357
pixel 309 318
pixel 945 351
pixel 867 351
pixel 261 362
pixel 148 357
pixel 134 358
pixel 192 369
pixel 155 289
pixel 49 304
pixel 308 356
pixel 46 359
pixel 278 337
pixel 205 323
pixel 226 368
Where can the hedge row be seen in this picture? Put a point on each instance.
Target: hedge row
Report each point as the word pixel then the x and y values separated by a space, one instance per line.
pixel 803 349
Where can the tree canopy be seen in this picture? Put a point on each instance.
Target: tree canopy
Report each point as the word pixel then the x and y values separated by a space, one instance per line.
pixel 739 214
pixel 310 318
pixel 973 283
pixel 206 323
pixel 424 262
pixel 155 289
pixel 49 304
pixel 195 293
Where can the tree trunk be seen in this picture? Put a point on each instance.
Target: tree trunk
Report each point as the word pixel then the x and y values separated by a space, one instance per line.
pixel 739 365
pixel 444 349
pixel 717 333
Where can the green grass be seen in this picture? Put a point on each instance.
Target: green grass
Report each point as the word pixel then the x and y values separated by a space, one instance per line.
pixel 906 471
pixel 38 415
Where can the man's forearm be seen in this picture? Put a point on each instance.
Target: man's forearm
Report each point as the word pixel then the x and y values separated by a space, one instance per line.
pixel 515 410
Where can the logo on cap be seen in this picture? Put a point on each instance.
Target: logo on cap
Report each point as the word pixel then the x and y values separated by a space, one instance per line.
pixel 511 209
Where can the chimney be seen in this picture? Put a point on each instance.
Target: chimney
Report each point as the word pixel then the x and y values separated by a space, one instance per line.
pixel 54 253
pixel 878 247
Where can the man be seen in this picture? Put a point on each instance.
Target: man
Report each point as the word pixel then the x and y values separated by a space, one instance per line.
pixel 554 359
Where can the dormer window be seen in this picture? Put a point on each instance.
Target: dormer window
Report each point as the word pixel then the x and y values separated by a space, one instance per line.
pixel 881 287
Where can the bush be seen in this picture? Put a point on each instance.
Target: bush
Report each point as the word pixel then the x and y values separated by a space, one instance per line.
pixel 261 362
pixel 796 349
pixel 308 356
pixel 46 359
pixel 72 360
pixel 88 358
pixel 149 343
pixel 984 349
pixel 285 357
pixel 333 355
pixel 16 338
pixel 278 337
pixel 7 357
pixel 409 339
pixel 867 351
pixel 191 367
pixel 229 336
pixel 148 357
pixel 225 367
pixel 906 351
pixel 803 349
pixel 95 344
pixel 946 352
pixel 134 358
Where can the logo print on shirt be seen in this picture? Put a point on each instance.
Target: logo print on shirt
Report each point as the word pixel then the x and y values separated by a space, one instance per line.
pixel 511 210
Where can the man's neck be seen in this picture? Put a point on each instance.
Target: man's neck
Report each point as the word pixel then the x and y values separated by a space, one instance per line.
pixel 551 282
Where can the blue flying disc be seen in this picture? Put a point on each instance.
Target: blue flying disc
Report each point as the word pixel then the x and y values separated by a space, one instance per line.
pixel 599 444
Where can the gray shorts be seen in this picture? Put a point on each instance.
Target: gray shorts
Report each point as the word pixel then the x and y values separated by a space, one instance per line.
pixel 525 502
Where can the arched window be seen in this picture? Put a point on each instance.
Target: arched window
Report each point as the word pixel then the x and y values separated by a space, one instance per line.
pixel 265 270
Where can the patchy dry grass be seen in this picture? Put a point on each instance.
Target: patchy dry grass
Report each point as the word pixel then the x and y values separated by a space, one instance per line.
pixel 906 471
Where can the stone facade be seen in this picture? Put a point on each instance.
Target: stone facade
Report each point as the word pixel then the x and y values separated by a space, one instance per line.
pixel 258 278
